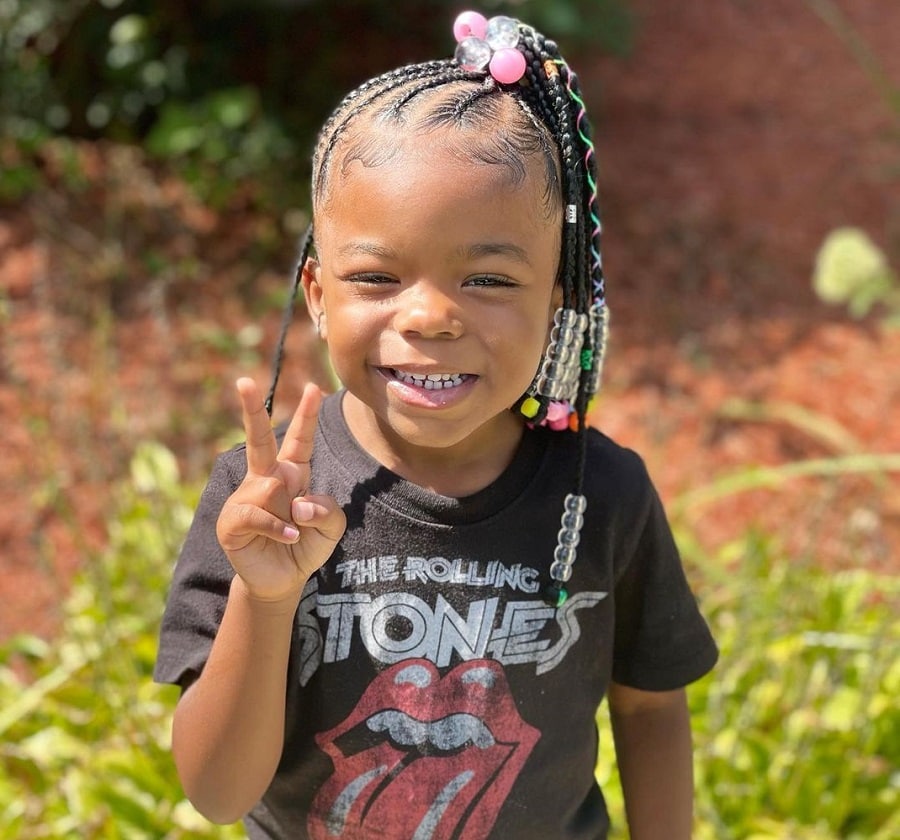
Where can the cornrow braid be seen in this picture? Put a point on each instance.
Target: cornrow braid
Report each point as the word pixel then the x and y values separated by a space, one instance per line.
pixel 432 74
pixel 549 120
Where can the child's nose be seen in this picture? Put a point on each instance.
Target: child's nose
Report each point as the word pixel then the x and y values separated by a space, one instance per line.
pixel 428 311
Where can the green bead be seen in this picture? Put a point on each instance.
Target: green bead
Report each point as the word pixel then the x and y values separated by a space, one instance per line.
pixel 587 359
pixel 555 594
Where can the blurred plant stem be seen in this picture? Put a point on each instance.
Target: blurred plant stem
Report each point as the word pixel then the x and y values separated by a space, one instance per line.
pixel 860 49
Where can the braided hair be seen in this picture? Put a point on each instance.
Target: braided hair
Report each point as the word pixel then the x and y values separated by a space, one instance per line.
pixel 541 114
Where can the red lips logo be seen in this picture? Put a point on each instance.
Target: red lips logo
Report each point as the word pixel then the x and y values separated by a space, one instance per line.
pixel 423 757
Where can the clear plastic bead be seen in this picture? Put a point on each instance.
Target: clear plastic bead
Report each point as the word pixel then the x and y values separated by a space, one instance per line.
pixel 575 504
pixel 502 32
pixel 572 521
pixel 473 53
pixel 562 335
pixel 567 317
pixel 564 554
pixel 560 571
pixel 548 387
pixel 569 538
pixel 559 353
pixel 552 370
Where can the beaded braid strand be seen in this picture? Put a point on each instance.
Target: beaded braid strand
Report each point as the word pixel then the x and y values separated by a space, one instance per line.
pixel 572 364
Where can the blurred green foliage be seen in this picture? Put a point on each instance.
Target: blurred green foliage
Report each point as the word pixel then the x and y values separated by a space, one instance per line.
pixel 231 89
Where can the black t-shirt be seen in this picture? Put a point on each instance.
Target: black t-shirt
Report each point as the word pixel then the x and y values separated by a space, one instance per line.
pixel 432 693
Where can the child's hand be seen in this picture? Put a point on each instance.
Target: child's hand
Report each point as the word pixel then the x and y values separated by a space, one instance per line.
pixel 275 535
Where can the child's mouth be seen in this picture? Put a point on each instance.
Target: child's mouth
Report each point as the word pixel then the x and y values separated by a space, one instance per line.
pixel 431 381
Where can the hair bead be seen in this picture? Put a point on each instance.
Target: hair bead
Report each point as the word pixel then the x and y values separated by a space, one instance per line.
pixel 530 408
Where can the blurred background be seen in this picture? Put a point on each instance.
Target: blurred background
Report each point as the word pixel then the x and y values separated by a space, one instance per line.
pixel 154 159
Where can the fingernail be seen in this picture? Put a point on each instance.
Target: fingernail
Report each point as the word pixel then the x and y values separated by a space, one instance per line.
pixel 290 533
pixel 303 511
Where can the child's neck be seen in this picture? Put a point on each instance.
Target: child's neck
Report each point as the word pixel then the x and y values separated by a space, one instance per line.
pixel 457 471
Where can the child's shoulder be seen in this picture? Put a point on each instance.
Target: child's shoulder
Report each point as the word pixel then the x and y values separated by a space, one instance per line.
pixel 611 470
pixel 603 452
pixel 608 466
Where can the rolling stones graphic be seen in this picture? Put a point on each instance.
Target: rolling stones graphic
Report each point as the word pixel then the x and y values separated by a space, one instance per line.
pixel 432 757
pixel 435 743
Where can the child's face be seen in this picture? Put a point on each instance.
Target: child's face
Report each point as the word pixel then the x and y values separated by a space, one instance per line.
pixel 432 266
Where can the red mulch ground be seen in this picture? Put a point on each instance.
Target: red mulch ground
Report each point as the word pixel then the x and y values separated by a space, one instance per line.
pixel 731 141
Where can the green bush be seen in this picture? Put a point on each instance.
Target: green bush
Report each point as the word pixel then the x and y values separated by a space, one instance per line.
pixel 84 733
pixel 797 730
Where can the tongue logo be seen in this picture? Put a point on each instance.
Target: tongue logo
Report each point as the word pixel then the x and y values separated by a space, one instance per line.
pixel 433 758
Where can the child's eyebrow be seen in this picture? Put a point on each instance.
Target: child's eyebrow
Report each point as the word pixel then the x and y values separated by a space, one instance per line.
pixel 495 249
pixel 469 252
pixel 368 249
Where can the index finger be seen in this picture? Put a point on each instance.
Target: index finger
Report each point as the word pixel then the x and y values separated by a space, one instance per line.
pixel 261 447
pixel 297 445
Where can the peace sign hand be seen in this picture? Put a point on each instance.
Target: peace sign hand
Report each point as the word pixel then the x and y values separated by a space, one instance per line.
pixel 274 535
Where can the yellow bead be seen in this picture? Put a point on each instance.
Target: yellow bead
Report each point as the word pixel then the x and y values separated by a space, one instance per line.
pixel 530 407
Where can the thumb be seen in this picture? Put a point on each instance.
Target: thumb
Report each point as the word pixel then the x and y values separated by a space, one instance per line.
pixel 321 513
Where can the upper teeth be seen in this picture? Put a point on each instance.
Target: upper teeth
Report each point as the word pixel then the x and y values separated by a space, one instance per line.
pixel 431 381
pixel 446 734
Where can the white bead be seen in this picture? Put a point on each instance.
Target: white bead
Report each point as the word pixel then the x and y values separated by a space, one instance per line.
pixel 567 537
pixel 564 554
pixel 572 521
pixel 560 571
pixel 502 32
pixel 559 353
pixel 473 53
pixel 575 504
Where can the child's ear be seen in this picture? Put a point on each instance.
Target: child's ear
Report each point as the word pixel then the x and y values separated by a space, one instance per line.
pixel 313 294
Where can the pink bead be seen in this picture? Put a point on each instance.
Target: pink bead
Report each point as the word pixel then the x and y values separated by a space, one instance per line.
pixel 557 416
pixel 507 66
pixel 469 25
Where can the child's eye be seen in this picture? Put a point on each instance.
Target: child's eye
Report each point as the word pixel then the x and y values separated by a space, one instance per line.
pixel 370 278
pixel 490 280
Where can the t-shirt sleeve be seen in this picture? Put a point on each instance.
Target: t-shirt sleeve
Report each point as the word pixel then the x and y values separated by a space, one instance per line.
pixel 662 642
pixel 200 582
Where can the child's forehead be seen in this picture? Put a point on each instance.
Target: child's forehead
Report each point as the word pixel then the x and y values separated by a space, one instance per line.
pixel 388 166
pixel 497 140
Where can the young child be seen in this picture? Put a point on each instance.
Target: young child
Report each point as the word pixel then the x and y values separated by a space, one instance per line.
pixel 398 617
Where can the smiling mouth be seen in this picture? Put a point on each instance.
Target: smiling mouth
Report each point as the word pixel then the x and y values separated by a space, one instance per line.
pixel 431 381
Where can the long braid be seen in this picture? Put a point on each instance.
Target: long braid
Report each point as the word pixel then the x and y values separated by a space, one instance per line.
pixel 288 315
pixel 552 87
